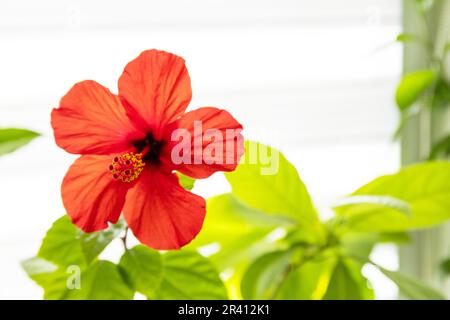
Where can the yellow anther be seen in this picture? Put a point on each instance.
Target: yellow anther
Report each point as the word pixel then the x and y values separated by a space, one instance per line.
pixel 127 167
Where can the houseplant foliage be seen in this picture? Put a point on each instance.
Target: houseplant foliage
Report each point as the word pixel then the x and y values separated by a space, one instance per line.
pixel 265 239
pixel 426 89
pixel 68 266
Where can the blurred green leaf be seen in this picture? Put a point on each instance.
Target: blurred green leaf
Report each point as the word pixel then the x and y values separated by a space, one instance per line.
pixel 347 282
pixel 188 275
pixel 268 182
pixel 441 94
pixel 263 278
pixel 235 228
pixel 407 37
pixel 425 5
pixel 425 186
pixel 445 266
pixel 412 288
pixel 185 181
pixel 446 48
pixel 440 148
pixel 309 281
pixel 358 244
pixel 11 139
pixel 142 269
pixel 100 281
pixel 382 201
pixel 412 86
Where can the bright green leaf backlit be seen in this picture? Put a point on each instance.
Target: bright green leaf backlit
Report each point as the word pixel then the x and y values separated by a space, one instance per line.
pixel 412 288
pixel 412 86
pixel 12 139
pixel 425 187
pixel 266 181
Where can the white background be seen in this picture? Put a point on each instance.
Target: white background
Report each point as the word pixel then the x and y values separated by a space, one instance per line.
pixel 314 78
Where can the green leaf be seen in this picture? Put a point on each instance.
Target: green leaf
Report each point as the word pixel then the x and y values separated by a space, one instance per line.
pixel 412 86
pixel 445 266
pixel 94 243
pixel 100 281
pixel 412 288
pixel 35 266
pixel 381 201
pixel 266 181
pixel 64 244
pixel 236 228
pixel 61 245
pixel 188 275
pixel 309 281
pixel 12 139
pixel 263 277
pixel 425 186
pixel 446 48
pixel 358 245
pixel 405 37
pixel 51 278
pixel 185 181
pixel 441 95
pixel 441 148
pixel 142 269
pixel 347 282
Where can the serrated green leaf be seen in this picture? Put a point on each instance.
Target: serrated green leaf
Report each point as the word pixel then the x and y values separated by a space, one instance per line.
pixel 94 243
pixel 188 275
pixel 12 139
pixel 266 181
pixel 425 186
pixel 61 244
pixel 64 244
pixel 412 86
pixel 100 281
pixel 142 269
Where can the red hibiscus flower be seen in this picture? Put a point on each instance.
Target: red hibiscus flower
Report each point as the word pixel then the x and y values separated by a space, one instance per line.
pixel 127 145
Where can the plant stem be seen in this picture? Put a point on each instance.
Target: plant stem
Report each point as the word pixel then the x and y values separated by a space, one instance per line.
pixel 124 239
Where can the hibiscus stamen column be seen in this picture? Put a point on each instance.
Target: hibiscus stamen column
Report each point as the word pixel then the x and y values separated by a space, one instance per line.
pixel 127 167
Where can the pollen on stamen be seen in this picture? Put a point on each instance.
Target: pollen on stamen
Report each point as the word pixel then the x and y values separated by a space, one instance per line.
pixel 126 167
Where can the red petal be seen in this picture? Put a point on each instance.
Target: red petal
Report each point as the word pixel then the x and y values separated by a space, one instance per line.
pixel 91 120
pixel 156 89
pixel 216 152
pixel 162 214
pixel 90 195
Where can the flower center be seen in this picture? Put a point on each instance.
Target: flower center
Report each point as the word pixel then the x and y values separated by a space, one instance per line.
pixel 127 167
pixel 150 148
